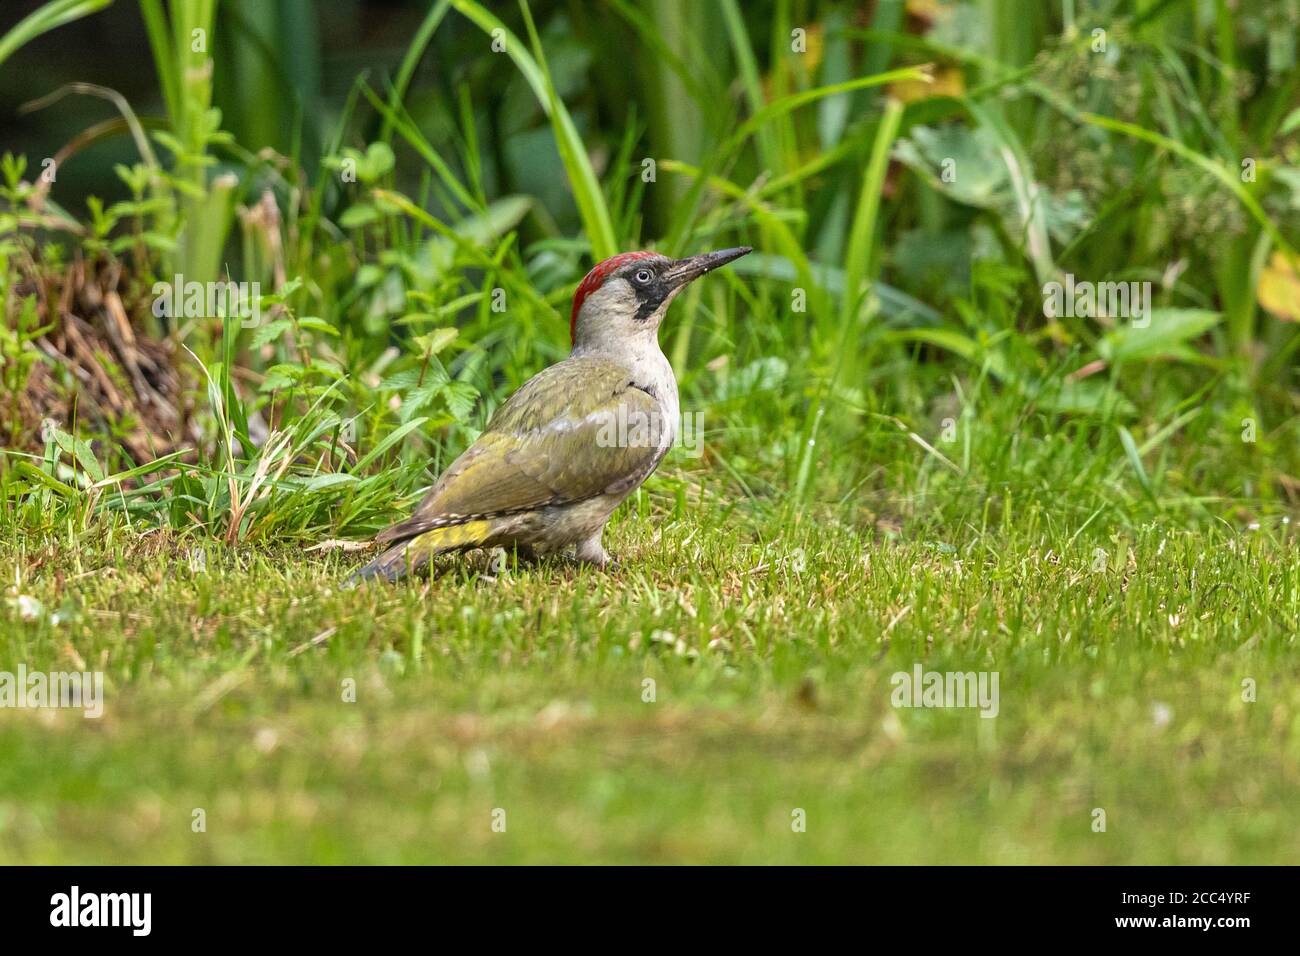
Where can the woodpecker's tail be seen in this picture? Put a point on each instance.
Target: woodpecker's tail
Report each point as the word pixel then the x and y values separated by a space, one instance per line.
pixel 413 554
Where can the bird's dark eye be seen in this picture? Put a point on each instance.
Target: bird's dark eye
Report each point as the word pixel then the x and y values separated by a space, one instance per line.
pixel 642 276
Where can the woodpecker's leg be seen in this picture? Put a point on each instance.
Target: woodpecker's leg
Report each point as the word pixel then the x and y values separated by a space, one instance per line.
pixel 590 551
pixel 523 554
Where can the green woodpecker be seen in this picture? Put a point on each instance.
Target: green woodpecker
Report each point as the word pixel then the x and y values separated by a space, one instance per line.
pixel 561 454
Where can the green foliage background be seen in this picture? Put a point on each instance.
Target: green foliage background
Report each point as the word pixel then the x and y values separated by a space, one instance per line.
pixel 507 148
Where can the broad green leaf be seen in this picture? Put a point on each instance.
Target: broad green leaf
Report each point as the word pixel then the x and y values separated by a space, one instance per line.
pixel 81 451
pixel 269 332
pixel 1164 335
pixel 317 324
pixel 356 216
pixel 434 342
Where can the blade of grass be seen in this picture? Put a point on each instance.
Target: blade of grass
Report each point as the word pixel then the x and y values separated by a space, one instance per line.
pixel 419 43
pixel 411 133
pixel 1227 177
pixel 1135 460
pixel 751 82
pixel 44 19
pixel 582 178
pixel 857 269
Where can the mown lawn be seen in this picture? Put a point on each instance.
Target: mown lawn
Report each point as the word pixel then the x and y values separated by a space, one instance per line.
pixel 770 645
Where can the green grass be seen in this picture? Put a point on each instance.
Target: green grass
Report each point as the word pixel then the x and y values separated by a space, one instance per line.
pixel 1119 689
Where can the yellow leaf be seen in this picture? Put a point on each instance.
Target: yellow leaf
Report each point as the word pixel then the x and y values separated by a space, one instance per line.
pixel 945 81
pixel 816 45
pixel 927 10
pixel 1279 288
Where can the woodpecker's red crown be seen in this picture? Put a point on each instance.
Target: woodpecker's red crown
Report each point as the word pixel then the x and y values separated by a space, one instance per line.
pixel 596 278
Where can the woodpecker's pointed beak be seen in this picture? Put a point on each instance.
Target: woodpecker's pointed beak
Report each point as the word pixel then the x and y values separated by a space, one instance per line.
pixel 692 267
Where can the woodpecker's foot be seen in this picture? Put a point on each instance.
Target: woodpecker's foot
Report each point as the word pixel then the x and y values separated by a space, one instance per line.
pixel 603 562
pixel 590 552
pixel 523 555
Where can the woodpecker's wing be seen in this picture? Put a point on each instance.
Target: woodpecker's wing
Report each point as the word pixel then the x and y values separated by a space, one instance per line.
pixel 576 430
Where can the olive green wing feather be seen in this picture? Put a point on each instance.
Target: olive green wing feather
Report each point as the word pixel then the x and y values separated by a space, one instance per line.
pixel 577 430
